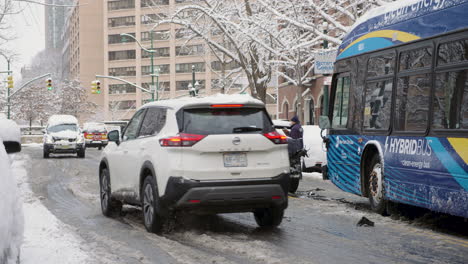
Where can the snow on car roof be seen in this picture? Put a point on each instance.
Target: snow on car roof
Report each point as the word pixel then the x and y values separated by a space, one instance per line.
pixel 62 119
pixel 215 99
pixel 9 131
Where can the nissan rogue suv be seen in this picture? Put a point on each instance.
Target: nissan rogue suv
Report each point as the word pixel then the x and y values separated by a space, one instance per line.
pixel 209 155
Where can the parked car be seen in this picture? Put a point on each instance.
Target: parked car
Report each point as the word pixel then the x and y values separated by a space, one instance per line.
pixel 209 155
pixel 11 208
pixel 95 135
pixel 316 155
pixel 63 135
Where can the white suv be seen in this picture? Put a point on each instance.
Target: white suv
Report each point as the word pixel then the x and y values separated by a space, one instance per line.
pixel 216 154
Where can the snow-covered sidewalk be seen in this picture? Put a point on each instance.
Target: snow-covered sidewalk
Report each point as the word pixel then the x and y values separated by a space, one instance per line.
pixel 46 239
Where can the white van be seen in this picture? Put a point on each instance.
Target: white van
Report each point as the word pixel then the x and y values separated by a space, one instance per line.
pixel 63 135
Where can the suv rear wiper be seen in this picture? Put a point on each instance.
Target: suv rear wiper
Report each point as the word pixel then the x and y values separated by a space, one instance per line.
pixel 246 129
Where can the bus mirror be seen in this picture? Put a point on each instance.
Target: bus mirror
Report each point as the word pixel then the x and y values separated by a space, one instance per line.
pixel 324 122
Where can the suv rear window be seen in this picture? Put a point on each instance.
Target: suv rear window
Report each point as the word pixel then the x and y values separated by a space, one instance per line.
pixel 209 121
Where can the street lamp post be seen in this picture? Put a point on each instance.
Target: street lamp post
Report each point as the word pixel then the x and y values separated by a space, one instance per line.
pixel 325 87
pixel 151 51
pixel 152 64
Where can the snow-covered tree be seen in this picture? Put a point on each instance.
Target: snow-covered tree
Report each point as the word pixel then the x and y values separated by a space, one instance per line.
pixel 259 35
pixel 34 103
pixel 73 99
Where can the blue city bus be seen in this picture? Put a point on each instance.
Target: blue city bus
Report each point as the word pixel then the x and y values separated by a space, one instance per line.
pixel 398 114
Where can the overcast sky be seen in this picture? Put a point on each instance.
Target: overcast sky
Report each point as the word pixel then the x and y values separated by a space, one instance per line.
pixel 28 27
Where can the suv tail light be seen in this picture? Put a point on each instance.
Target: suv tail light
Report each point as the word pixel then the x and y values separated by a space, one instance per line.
pixel 182 140
pixel 276 137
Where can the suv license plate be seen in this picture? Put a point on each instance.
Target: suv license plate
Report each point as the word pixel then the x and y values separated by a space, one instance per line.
pixel 235 160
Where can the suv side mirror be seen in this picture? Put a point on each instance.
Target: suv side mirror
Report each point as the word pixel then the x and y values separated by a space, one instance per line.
pixel 12 146
pixel 114 136
pixel 324 122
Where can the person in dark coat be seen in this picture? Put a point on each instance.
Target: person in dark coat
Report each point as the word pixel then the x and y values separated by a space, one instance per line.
pixel 296 133
pixel 296 129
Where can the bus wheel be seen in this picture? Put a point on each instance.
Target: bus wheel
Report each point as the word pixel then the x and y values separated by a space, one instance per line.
pixel 376 194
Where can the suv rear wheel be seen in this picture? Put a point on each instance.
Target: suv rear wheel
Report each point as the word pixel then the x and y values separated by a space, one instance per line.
pixel 269 217
pixel 109 206
pixel 151 207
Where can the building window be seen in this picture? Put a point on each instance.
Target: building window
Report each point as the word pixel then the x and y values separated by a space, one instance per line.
pixel 122 55
pixel 159 52
pixel 122 71
pixel 122 105
pixel 157 35
pixel 117 39
pixel 120 4
pixel 121 88
pixel 163 86
pixel 126 21
pixel 190 50
pixel 187 67
pixel 217 66
pixel 183 85
pixel 152 18
pixel 183 33
pixel 163 69
pixel 149 3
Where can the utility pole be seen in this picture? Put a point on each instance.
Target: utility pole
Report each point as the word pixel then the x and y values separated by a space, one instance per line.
pixel 8 91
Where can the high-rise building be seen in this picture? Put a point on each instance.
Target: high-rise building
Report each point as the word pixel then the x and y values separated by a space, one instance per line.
pixel 82 56
pixel 55 16
pixel 175 56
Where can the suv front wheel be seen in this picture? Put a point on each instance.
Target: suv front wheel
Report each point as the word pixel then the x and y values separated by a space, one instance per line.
pixel 151 207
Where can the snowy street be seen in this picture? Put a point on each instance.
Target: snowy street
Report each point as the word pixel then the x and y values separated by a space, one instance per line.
pixel 319 226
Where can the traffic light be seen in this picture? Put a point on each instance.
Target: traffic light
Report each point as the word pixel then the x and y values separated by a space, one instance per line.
pixel 10 82
pixel 96 87
pixel 49 84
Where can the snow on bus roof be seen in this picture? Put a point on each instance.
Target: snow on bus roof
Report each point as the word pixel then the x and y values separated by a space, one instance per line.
pixel 384 9
pixel 62 119
pixel 214 99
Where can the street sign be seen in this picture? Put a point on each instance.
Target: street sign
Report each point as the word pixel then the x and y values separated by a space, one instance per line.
pixel 324 61
pixel 327 80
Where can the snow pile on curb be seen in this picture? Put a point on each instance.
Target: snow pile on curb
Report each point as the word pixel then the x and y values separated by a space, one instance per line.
pixel 11 221
pixel 46 239
pixel 313 175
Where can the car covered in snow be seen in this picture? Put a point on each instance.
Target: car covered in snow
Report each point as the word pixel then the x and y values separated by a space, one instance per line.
pixel 11 209
pixel 95 135
pixel 63 135
pixel 218 154
pixel 316 155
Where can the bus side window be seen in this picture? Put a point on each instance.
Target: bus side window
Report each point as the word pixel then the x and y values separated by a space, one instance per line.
pixel 451 87
pixel 341 103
